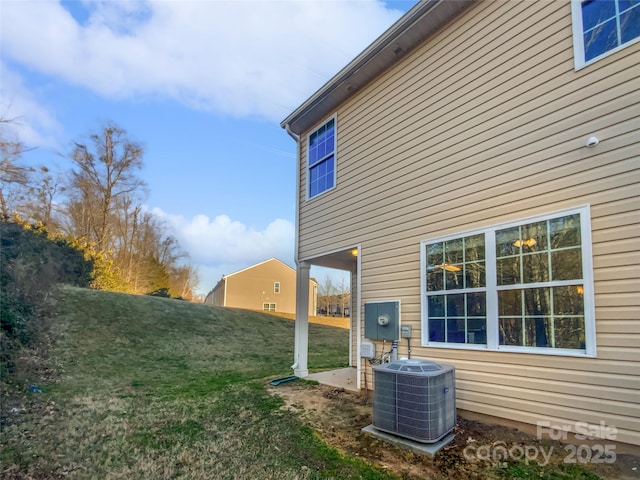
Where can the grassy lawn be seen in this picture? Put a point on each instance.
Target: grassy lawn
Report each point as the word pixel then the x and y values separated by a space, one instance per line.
pixel 155 388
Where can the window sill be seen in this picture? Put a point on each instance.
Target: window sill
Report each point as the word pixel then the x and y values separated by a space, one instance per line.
pixel 509 349
pixel 318 195
pixel 579 65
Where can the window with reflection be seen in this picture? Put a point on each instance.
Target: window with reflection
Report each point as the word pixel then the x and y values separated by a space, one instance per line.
pixel 518 286
pixel 541 253
pixel 321 159
pixel 601 26
pixel 456 297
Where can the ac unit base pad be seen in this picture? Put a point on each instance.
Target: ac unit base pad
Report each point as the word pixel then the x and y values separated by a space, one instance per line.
pixel 429 449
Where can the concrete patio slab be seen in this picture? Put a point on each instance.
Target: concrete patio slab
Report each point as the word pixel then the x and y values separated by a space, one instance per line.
pixel 341 378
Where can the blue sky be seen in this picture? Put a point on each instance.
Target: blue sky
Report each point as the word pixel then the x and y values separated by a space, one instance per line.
pixel 203 85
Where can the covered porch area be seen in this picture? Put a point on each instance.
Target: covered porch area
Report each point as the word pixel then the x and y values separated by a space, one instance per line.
pixel 348 260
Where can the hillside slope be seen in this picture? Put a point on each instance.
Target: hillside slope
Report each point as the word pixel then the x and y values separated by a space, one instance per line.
pixel 116 335
pixel 149 387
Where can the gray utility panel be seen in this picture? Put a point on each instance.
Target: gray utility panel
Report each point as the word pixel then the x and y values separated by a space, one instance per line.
pixel 382 320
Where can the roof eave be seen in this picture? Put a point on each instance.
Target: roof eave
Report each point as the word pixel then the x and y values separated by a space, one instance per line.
pixel 409 31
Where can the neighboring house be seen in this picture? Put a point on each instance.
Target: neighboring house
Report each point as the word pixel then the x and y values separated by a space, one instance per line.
pixel 332 309
pixel 334 305
pixel 269 286
pixel 479 163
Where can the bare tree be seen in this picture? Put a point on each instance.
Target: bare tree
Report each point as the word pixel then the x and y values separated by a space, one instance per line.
pixel 12 174
pixel 326 295
pixel 343 295
pixel 104 208
pixel 41 204
pixel 183 281
pixel 138 252
pixel 105 171
pixel 148 258
pixel 127 230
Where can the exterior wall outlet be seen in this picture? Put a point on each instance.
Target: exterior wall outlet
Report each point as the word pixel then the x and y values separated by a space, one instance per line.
pixel 405 331
pixel 367 350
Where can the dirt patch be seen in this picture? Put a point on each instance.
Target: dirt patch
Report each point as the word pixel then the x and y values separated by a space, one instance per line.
pixel 338 417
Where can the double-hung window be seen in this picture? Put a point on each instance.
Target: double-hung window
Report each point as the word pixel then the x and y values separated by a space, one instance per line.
pixel 321 165
pixel 524 286
pixel 276 287
pixel 269 307
pixel 603 26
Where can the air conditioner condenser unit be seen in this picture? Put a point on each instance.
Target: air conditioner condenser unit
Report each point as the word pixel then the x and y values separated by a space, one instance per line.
pixel 415 399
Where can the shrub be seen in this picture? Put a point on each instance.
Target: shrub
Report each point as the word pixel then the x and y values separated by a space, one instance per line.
pixel 161 292
pixel 31 265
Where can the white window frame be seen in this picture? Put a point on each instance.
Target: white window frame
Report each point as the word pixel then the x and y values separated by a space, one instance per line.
pixel 578 38
pixel 276 287
pixel 268 306
pixel 333 117
pixel 492 288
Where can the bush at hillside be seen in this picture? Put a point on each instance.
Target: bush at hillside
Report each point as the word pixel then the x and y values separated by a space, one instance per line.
pixel 31 265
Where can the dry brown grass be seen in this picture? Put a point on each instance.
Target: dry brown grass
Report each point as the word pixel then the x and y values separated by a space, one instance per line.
pixel 338 322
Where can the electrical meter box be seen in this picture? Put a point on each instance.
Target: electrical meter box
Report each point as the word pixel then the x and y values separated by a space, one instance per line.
pixel 382 320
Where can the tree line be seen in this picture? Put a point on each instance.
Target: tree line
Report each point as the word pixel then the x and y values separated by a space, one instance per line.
pixel 334 299
pixel 98 205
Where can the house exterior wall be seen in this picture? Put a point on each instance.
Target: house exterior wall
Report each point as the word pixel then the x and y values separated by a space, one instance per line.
pixel 486 123
pixel 216 296
pixel 252 287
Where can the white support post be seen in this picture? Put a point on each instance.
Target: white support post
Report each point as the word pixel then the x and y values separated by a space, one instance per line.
pixel 356 302
pixel 301 349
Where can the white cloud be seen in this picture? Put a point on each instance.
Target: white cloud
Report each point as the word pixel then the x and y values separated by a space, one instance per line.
pixel 253 57
pixel 29 117
pixel 231 57
pixel 221 246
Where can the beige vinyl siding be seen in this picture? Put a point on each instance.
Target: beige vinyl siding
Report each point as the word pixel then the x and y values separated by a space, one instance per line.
pixel 253 286
pixel 216 296
pixel 393 175
pixel 484 124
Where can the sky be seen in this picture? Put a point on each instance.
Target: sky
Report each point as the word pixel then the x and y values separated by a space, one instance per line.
pixel 203 85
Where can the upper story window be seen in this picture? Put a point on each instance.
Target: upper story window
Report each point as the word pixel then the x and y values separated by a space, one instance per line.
pixel 525 287
pixel 321 163
pixel 276 287
pixel 603 26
